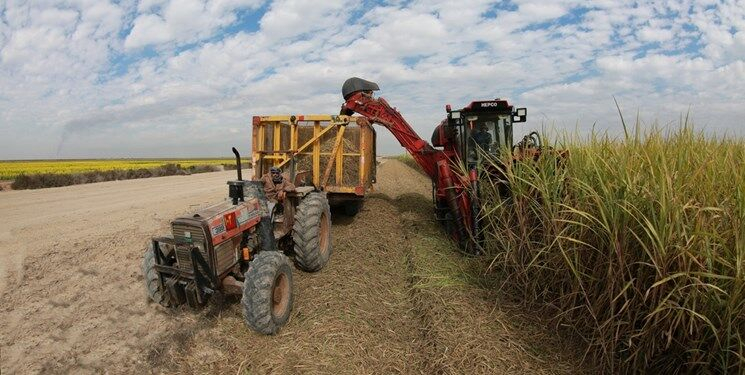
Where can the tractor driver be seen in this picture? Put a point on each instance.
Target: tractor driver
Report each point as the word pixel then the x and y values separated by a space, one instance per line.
pixel 276 186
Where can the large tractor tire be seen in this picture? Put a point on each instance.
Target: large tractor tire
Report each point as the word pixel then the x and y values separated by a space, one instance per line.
pixel 267 292
pixel 155 289
pixel 311 232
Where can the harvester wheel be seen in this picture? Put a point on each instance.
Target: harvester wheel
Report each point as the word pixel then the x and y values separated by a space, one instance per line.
pixel 267 292
pixel 311 232
pixel 450 228
pixel 155 289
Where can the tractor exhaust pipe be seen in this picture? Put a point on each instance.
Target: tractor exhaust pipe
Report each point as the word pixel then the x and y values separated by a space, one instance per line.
pixel 238 164
pixel 235 188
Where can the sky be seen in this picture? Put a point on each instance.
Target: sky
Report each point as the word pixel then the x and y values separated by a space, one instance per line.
pixel 160 78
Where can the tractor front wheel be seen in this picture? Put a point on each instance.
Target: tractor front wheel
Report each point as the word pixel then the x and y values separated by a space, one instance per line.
pixel 267 292
pixel 311 232
pixel 154 287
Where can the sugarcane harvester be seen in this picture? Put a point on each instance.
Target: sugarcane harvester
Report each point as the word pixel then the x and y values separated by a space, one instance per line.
pixel 452 159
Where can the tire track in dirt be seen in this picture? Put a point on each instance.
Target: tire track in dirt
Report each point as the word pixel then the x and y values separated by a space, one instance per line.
pixel 469 327
pixel 430 349
pixel 396 182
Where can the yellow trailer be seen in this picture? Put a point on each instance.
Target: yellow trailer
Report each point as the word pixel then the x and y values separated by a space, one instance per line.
pixel 335 154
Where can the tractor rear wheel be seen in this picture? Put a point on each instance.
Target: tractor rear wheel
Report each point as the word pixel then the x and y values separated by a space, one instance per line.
pixel 267 292
pixel 155 290
pixel 311 232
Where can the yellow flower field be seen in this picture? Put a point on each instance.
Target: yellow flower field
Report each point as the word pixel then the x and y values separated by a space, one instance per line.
pixel 10 169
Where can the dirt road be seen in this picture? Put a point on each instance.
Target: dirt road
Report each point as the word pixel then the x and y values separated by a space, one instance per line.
pixel 72 296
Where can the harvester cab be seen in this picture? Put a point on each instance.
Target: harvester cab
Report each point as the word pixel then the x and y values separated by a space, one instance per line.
pixel 482 126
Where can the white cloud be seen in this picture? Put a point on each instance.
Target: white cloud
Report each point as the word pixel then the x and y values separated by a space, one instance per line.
pixel 407 34
pixel 51 59
pixel 76 68
pixel 649 34
pixel 290 18
pixel 182 21
pixel 145 6
pixel 148 29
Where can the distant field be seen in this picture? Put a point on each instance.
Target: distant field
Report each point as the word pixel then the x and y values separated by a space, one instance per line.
pixel 9 170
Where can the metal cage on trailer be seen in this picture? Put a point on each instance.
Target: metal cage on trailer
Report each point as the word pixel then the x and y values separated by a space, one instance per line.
pixel 333 153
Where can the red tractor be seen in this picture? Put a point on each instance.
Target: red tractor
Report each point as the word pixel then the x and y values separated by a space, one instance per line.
pixel 453 157
pixel 236 247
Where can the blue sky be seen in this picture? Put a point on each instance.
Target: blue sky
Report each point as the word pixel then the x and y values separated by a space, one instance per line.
pixel 160 78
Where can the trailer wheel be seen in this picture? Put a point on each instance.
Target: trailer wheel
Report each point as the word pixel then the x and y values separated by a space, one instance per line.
pixel 312 232
pixel 352 208
pixel 155 289
pixel 267 292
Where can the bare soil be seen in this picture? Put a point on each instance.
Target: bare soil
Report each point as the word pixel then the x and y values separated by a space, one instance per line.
pixel 395 298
